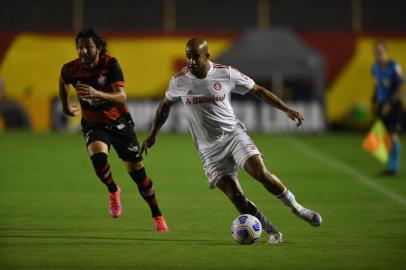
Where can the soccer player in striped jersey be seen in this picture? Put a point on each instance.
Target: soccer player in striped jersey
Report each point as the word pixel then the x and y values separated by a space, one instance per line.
pixel 220 138
pixel 388 102
pixel 99 83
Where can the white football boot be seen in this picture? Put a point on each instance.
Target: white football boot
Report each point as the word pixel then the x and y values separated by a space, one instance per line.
pixel 313 218
pixel 275 237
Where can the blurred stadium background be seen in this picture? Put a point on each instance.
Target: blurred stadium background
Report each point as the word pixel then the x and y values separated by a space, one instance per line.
pixel 316 54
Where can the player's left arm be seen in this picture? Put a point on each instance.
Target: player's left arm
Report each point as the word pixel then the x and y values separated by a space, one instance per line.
pixel 118 94
pixel 161 115
pixel 273 100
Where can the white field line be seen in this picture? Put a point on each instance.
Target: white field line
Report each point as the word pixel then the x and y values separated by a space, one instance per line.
pixel 314 153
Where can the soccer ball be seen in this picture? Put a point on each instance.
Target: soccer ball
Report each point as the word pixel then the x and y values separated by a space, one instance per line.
pixel 246 229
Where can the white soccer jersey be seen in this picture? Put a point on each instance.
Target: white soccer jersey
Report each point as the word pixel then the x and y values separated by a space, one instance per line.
pixel 207 101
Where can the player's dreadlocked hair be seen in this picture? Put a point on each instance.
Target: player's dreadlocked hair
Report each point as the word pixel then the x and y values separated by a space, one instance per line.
pixel 95 36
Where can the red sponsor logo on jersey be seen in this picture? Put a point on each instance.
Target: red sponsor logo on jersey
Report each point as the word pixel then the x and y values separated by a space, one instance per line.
pixel 217 86
pixel 202 100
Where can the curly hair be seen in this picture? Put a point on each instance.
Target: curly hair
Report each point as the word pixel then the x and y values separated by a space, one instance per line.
pixel 95 36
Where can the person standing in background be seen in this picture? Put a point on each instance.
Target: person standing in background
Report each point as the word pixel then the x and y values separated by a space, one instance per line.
pixel 388 102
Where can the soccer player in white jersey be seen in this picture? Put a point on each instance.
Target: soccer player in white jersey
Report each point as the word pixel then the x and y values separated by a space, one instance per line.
pixel 220 138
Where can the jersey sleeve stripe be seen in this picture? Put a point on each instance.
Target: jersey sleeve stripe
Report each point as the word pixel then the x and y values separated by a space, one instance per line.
pixel 118 84
pixel 219 65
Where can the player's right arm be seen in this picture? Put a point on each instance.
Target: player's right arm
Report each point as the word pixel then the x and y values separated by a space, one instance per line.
pixel 161 116
pixel 173 94
pixel 67 107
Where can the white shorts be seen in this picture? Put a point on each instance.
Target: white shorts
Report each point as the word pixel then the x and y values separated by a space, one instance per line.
pixel 226 156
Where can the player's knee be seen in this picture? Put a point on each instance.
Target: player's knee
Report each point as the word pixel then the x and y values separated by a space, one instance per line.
pixel 134 165
pixel 138 175
pixel 99 160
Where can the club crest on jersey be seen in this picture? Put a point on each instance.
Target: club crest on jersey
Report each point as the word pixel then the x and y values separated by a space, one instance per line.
pixel 217 86
pixel 102 78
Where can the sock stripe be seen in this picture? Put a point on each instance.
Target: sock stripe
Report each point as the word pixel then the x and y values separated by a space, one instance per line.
pixel 146 189
pixel 103 171
pixel 149 192
pixel 146 182
pixel 107 174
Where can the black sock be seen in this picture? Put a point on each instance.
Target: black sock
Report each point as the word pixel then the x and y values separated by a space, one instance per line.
pixel 112 187
pixel 252 209
pixel 146 189
pixel 102 168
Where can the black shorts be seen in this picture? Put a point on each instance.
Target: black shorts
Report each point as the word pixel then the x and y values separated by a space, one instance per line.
pixel 393 120
pixel 120 134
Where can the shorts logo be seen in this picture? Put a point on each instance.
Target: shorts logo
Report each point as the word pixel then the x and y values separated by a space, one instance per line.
pixel 133 148
pixel 120 126
pixel 217 86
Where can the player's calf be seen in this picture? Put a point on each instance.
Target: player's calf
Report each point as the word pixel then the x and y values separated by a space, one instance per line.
pixel 103 171
pixel 256 168
pixel 272 183
pixel 146 189
pixel 245 206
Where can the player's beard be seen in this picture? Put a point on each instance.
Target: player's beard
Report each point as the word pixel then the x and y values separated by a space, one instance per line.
pixel 194 68
pixel 89 61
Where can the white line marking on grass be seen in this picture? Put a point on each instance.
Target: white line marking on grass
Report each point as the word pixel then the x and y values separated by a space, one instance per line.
pixel 314 153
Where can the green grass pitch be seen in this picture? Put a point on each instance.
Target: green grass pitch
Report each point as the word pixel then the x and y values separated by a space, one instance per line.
pixel 53 212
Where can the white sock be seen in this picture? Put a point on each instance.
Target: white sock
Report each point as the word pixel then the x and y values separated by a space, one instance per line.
pixel 288 199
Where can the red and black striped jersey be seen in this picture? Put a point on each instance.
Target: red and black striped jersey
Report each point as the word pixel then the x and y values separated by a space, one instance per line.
pixel 103 77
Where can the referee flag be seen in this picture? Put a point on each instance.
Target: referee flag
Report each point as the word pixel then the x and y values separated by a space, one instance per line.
pixel 377 142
